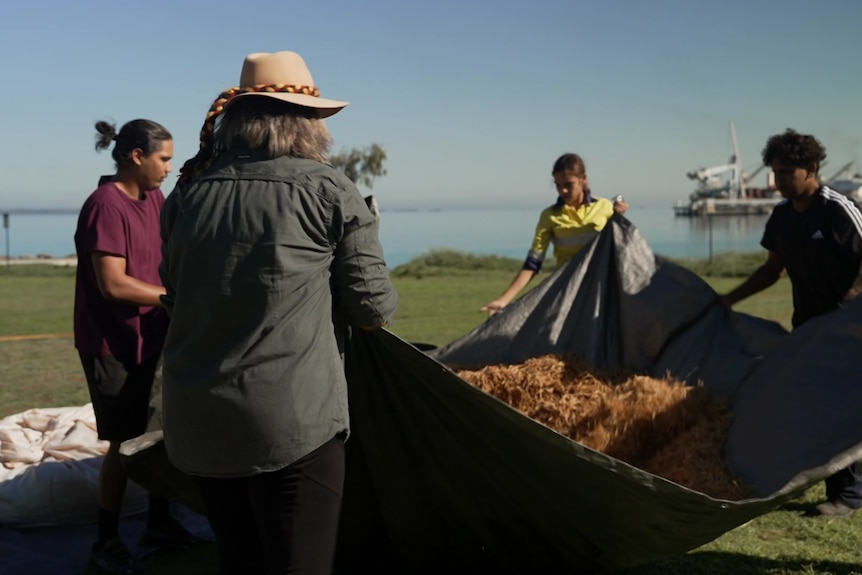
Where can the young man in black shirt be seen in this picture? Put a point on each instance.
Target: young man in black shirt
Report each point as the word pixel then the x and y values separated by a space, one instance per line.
pixel 816 236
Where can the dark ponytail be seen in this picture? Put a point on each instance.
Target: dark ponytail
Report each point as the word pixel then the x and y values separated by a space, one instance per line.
pixel 145 135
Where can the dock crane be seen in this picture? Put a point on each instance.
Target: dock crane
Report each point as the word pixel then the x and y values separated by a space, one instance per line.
pixel 709 185
pixel 844 169
pixel 850 186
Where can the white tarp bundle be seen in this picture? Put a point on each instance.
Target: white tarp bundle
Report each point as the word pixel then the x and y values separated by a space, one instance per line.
pixel 49 468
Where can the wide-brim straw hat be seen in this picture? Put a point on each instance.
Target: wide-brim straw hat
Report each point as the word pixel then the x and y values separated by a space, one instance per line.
pixel 282 71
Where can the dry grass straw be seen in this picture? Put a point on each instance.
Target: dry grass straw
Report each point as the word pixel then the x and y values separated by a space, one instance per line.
pixel 659 425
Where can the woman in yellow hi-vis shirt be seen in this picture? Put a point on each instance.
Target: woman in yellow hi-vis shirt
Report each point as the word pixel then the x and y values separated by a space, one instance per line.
pixel 572 222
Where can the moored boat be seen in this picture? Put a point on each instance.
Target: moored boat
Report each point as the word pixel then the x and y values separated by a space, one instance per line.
pixel 729 196
pixel 732 196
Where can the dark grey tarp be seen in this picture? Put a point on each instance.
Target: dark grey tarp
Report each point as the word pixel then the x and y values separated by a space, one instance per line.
pixel 466 484
pixel 801 407
pixel 445 478
pixel 618 304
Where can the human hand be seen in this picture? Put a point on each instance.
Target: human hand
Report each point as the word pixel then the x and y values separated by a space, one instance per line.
pixel 620 205
pixel 851 294
pixel 494 306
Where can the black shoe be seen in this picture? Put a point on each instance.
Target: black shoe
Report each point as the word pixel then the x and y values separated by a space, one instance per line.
pixel 169 535
pixel 835 509
pixel 113 558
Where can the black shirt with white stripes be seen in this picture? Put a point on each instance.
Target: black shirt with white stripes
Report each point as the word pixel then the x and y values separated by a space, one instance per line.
pixel 821 249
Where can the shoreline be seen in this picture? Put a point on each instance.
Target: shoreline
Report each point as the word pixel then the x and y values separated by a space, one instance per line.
pixel 67 261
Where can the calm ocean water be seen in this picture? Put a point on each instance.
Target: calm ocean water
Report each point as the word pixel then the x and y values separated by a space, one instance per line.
pixel 407 234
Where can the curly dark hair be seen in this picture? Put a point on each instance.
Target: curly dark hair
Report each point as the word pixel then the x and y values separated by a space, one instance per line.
pixel 794 149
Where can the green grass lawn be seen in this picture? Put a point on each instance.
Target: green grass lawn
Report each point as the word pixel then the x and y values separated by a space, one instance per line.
pixel 36 299
pixel 436 307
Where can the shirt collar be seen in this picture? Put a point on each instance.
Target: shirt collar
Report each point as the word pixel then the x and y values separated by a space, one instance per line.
pixel 588 199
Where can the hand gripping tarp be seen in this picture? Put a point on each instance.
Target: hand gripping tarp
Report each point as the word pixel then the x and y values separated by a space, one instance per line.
pixel 445 478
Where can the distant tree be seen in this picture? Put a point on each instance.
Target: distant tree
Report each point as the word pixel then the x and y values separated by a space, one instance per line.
pixel 362 166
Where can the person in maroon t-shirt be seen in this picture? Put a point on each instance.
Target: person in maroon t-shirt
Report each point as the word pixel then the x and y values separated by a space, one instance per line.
pixel 120 325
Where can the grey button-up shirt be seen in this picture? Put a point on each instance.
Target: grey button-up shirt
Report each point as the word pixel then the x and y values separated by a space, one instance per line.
pixel 266 262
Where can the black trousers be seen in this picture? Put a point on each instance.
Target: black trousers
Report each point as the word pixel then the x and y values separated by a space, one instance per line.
pixel 283 521
pixel 846 486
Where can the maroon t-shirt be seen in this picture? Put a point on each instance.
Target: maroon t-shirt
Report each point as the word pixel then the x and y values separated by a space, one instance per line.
pixel 112 222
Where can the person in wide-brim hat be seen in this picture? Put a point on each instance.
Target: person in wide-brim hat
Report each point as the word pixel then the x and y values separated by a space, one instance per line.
pixel 284 76
pixel 269 256
pixel 281 76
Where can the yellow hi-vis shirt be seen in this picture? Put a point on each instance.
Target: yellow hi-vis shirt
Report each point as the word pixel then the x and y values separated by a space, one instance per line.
pixel 569 229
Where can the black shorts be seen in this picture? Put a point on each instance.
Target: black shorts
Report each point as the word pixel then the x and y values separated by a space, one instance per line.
pixel 120 394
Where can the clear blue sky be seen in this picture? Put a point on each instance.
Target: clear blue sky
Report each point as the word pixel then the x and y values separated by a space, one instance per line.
pixel 472 100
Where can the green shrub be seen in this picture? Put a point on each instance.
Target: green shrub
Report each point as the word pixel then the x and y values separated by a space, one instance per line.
pixel 453 262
